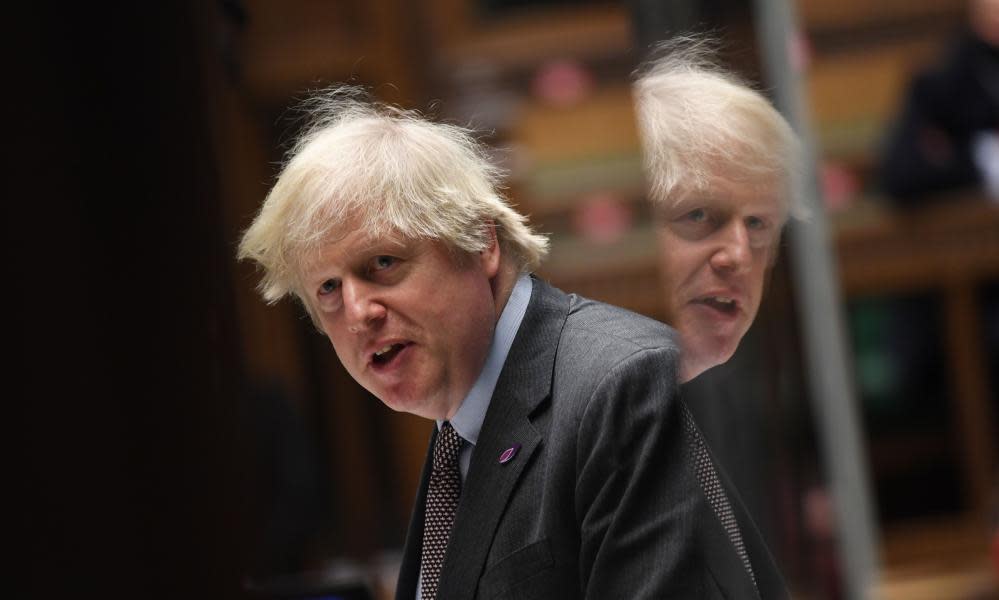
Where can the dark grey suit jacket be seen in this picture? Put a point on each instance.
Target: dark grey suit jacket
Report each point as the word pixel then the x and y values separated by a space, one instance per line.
pixel 601 501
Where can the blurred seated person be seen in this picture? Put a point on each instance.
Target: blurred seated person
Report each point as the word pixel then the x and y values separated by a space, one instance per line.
pixel 946 137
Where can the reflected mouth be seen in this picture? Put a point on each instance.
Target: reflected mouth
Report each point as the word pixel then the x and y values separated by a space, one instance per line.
pixel 723 304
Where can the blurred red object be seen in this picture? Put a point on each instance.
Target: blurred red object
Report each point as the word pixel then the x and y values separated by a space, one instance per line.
pixel 603 217
pixel 562 83
pixel 840 185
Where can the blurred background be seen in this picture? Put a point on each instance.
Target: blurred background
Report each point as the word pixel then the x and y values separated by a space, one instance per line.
pixel 175 437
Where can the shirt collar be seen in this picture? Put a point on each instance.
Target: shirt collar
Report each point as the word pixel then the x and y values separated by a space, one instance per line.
pixel 468 420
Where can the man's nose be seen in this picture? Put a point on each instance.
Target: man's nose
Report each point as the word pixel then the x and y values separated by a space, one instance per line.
pixel 733 253
pixel 361 305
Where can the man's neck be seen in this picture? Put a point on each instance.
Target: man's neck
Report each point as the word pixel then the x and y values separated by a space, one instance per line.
pixel 468 415
pixel 502 286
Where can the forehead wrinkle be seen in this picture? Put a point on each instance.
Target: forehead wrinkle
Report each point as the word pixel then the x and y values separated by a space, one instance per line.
pixel 758 190
pixel 356 250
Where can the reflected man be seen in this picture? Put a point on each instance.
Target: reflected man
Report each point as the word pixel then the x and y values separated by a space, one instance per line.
pixel 719 161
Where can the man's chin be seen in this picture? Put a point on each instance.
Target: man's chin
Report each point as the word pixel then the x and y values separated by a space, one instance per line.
pixel 700 354
pixel 411 402
pixel 407 406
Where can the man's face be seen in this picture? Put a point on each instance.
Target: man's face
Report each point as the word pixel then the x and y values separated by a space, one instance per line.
pixel 715 249
pixel 409 320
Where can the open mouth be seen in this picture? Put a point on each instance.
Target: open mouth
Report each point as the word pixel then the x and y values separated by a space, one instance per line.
pixel 386 354
pixel 722 304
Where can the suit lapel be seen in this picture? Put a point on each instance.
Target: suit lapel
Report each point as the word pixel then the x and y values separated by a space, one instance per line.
pixel 524 383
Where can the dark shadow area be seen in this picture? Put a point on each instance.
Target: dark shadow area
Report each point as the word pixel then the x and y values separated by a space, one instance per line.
pixel 129 430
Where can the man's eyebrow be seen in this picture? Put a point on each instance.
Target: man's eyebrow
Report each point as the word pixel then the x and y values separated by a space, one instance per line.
pixel 374 245
pixel 690 202
pixel 320 278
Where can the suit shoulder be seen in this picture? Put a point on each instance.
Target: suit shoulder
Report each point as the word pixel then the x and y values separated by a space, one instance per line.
pixel 614 368
pixel 599 339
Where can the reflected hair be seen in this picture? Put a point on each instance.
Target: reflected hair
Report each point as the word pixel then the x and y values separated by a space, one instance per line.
pixel 698 120
pixel 368 166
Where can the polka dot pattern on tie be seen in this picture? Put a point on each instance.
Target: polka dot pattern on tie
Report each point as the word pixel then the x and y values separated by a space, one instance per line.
pixel 707 476
pixel 442 502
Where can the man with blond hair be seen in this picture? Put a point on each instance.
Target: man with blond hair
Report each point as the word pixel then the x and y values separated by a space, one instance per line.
pixel 560 466
pixel 719 160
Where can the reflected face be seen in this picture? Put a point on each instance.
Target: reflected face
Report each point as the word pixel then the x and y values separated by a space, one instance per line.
pixel 715 249
pixel 410 321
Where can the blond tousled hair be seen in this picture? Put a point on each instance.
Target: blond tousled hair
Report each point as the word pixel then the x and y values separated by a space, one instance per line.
pixel 364 165
pixel 698 121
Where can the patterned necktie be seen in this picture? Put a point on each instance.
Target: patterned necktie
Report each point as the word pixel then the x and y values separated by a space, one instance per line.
pixel 707 476
pixel 442 501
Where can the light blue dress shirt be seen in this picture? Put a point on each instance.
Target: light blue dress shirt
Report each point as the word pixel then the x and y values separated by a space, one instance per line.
pixel 468 420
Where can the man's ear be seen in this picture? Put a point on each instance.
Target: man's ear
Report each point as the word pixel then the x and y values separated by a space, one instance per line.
pixel 491 257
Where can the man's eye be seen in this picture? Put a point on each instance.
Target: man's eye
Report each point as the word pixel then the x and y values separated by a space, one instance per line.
pixel 755 223
pixel 698 215
pixel 328 287
pixel 383 262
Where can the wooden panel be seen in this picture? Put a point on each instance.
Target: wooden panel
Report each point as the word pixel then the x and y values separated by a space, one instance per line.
pixel 241 142
pixel 853 13
pixel 973 412
pixel 602 124
pixel 955 240
pixel 952 247
pixel 855 96
pixel 530 37
pixel 289 47
pixel 868 83
pixel 934 544
pixel 624 273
